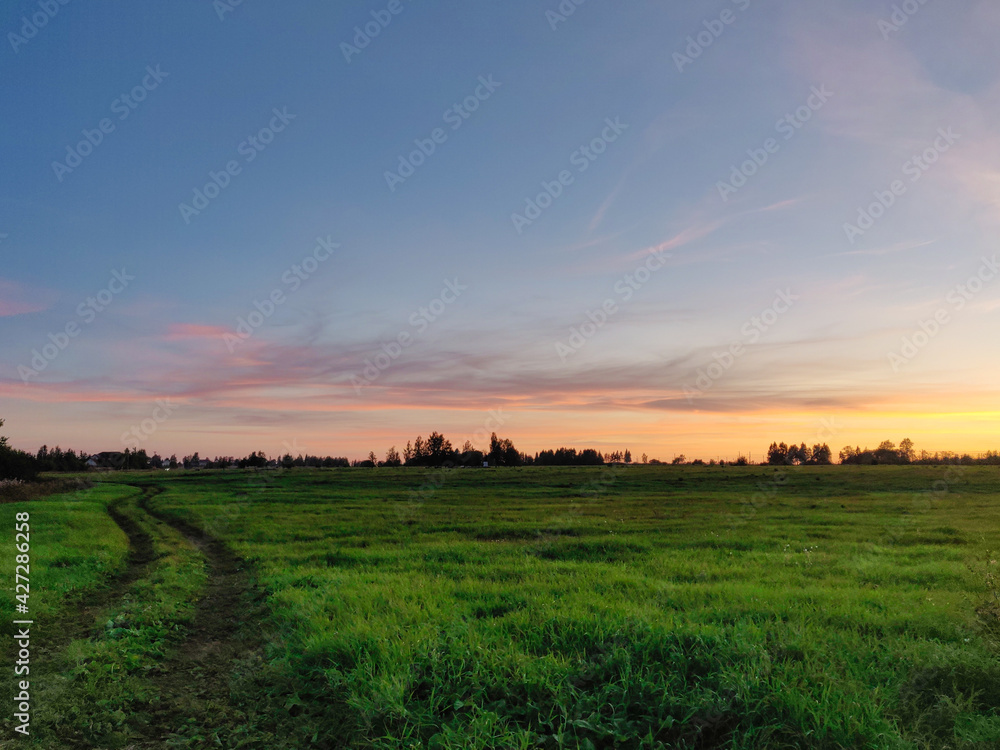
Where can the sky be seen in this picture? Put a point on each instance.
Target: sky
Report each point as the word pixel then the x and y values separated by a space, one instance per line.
pixel 326 228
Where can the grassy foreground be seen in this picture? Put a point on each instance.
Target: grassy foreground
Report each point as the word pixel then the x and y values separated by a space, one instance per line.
pixel 103 619
pixel 657 607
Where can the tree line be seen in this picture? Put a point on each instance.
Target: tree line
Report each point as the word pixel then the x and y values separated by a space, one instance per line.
pixel 434 451
pixel 437 451
pixel 889 453
pixel 799 455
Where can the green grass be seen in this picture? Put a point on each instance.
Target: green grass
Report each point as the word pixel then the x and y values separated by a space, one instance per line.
pixel 92 691
pixel 655 607
pixel 75 548
pixel 677 607
pixel 102 689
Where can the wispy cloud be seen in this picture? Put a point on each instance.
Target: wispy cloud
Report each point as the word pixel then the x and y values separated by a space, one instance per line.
pixel 185 331
pixel 899 247
pixel 684 237
pixel 598 217
pixel 20 299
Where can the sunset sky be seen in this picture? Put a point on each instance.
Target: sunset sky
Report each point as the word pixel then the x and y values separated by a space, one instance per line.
pixel 673 227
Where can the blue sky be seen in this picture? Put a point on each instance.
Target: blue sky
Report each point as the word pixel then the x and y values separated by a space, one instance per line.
pixel 843 101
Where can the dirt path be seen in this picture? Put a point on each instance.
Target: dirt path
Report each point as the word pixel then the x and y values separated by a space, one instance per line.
pixel 194 682
pixel 82 622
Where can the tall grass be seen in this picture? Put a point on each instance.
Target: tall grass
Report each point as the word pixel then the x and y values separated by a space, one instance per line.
pixel 676 607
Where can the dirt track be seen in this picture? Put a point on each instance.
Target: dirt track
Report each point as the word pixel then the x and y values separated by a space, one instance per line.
pixel 194 682
pixel 83 622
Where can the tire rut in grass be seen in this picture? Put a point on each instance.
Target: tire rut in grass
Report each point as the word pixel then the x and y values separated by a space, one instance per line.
pixel 194 681
pixel 83 622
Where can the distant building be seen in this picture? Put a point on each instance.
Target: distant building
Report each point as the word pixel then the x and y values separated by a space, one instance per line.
pixel 106 460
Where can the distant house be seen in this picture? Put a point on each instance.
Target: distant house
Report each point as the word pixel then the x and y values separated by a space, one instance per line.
pixel 106 460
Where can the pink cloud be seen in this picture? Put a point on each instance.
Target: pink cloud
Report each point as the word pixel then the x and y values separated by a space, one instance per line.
pixel 183 331
pixel 72 392
pixel 19 299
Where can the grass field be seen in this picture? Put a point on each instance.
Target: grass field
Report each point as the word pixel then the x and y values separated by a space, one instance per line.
pixel 655 607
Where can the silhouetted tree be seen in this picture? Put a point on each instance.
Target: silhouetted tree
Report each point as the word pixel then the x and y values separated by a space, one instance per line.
pixel 419 449
pixel 906 452
pixel 821 455
pixel 470 456
pixel 502 452
pixel 777 454
pixel 886 453
pixel 15 464
pixel 798 454
pixel 438 448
